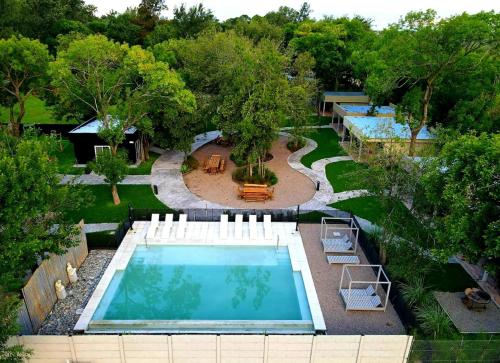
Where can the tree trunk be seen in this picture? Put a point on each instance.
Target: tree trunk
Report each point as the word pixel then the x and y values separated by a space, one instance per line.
pixel 116 197
pixel 13 125
pixel 145 148
pixel 413 141
pixel 114 149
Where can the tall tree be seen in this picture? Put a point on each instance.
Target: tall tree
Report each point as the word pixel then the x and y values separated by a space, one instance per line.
pixel 23 70
pixel 31 203
pixel 462 187
pixel 415 55
pixel 118 83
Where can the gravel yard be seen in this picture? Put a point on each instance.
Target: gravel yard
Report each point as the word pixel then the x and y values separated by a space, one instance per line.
pixel 64 315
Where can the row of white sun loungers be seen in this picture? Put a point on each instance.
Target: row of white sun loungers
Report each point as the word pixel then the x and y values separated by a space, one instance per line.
pixel 224 227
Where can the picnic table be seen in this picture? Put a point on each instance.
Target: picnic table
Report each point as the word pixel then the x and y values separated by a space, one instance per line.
pixel 213 164
pixel 255 192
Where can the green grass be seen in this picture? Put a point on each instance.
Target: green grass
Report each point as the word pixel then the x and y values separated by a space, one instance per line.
pixel 450 277
pixel 66 159
pixel 36 113
pixel 103 210
pixel 368 207
pixel 343 176
pixel 328 146
pixel 145 167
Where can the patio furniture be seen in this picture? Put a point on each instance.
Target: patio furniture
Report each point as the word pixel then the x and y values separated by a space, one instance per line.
pixel 339 235
pixel 364 294
pixel 255 192
pixel 169 221
pixel 343 260
pixel 155 221
pixel 476 299
pixel 205 165
pixel 213 164
pixel 268 230
pixel 223 226
pixel 238 226
pixel 181 226
pixel 252 223
pixel 222 166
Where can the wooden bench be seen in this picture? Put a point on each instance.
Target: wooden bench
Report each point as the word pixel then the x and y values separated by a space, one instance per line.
pixel 222 166
pixel 255 192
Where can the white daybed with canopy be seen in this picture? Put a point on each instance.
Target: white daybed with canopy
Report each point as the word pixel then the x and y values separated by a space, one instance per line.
pixel 339 235
pixel 361 293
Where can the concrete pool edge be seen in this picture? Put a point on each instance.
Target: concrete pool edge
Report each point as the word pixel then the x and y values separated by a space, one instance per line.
pixel 283 232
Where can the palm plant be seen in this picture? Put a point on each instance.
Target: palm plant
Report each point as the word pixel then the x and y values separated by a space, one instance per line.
pixel 433 320
pixel 416 293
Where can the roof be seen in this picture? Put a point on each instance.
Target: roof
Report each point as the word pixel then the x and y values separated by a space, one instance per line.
pixel 382 128
pixel 92 127
pixel 343 93
pixel 364 109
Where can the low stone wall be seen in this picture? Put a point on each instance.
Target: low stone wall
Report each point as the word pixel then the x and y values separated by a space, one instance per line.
pixel 218 348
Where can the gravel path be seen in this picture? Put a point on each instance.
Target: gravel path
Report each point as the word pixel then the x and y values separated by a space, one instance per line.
pixel 94 179
pixel 63 316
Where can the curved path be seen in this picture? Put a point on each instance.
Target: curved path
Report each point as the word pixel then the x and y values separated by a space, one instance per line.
pixel 172 191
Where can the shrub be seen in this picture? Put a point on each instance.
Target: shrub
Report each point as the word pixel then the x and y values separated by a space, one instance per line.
pixel 296 144
pixel 434 321
pixel 241 175
pixel 415 293
pixel 190 164
pixel 238 161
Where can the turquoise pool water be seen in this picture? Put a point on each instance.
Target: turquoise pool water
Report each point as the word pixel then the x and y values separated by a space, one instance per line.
pixel 206 283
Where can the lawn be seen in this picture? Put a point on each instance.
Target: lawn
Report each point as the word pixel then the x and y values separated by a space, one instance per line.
pixel 328 146
pixel 344 175
pixel 368 207
pixel 103 210
pixel 145 167
pixel 66 159
pixel 36 113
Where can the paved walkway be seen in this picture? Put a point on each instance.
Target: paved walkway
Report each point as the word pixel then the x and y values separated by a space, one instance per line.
pixel 166 174
pixel 94 179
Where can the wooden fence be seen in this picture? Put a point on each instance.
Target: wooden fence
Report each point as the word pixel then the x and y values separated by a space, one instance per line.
pixel 217 348
pixel 39 294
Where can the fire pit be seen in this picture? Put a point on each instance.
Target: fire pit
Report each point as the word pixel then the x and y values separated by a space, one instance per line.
pixel 476 299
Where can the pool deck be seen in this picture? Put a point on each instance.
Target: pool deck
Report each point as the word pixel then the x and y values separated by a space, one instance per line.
pixel 327 280
pixel 208 233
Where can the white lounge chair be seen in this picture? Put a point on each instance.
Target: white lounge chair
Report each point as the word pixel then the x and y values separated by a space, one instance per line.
pixel 337 244
pixel 238 226
pixel 181 226
pixel 155 221
pixel 252 224
pixel 351 260
pixel 268 230
pixel 361 299
pixel 223 226
pixel 169 221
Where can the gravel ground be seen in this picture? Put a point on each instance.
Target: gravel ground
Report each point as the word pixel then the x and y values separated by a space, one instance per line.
pixel 327 280
pixel 63 316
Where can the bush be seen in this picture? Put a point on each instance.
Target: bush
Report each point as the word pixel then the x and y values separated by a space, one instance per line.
pixel 241 175
pixel 296 144
pixel 238 161
pixel 434 321
pixel 190 164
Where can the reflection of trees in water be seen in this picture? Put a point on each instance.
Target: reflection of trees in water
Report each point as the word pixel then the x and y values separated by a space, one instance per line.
pixel 246 280
pixel 144 293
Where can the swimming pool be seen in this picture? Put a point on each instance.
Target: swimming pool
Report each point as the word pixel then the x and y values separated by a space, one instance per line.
pixel 205 288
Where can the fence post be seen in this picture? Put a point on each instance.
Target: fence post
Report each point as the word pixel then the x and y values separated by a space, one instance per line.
pixel 298 218
pixel 130 217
